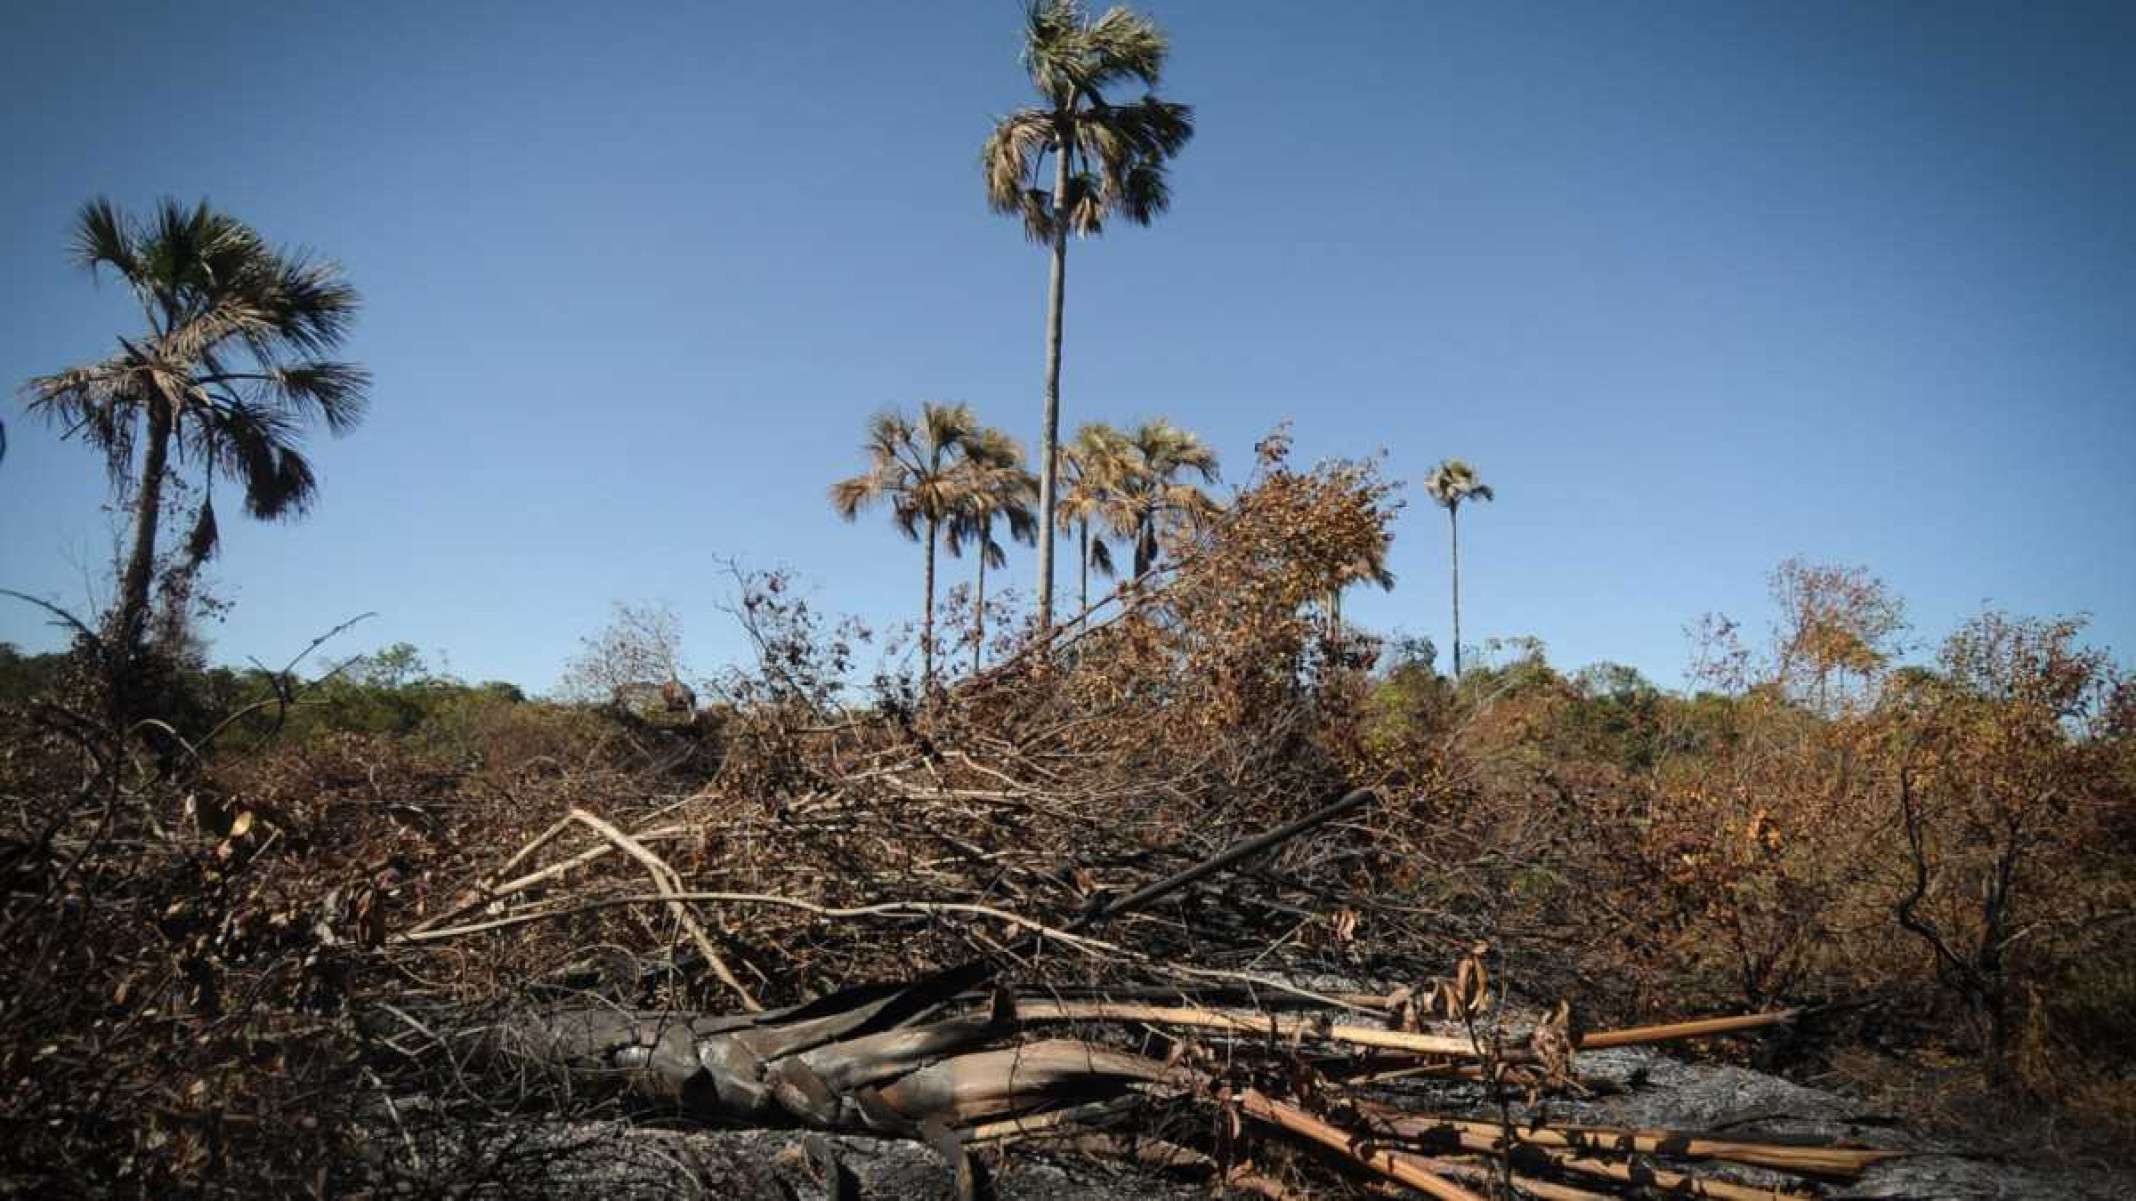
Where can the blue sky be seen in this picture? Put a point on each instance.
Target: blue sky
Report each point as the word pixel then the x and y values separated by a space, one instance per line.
pixel 1696 286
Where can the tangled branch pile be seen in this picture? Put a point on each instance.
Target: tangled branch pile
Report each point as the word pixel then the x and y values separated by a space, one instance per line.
pixel 364 965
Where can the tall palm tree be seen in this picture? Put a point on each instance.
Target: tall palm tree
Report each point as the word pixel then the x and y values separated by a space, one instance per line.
pixel 918 469
pixel 1451 483
pixel 229 371
pixel 1098 461
pixel 1157 500
pixel 997 485
pixel 1108 160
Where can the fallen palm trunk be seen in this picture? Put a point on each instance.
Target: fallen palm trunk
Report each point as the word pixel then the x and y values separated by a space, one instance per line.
pixel 734 1070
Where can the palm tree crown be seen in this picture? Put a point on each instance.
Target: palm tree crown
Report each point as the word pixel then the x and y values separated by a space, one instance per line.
pixel 1451 483
pixel 1454 481
pixel 1107 160
pixel 230 369
pixel 1100 460
pixel 1157 500
pixel 1113 155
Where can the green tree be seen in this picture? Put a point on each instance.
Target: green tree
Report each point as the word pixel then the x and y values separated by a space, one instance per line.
pixel 1098 461
pixel 1451 483
pixel 1107 160
pixel 1157 500
pixel 997 486
pixel 919 470
pixel 229 371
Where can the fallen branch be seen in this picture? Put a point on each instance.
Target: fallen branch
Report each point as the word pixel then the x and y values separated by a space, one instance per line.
pixel 1260 1025
pixel 1801 1159
pixel 1672 1031
pixel 1644 1175
pixel 670 885
pixel 1407 1169
pixel 1310 1029
pixel 510 888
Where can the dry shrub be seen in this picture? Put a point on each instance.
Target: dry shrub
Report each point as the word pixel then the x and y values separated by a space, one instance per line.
pixel 1941 853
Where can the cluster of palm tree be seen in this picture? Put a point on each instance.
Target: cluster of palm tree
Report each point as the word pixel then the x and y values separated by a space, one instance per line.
pixel 946 479
pixel 950 481
pixel 1131 485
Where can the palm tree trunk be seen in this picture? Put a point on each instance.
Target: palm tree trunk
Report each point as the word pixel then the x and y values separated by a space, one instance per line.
pixel 1050 437
pixel 148 507
pixel 927 618
pixel 986 536
pixel 1145 544
pixel 1082 552
pixel 1453 523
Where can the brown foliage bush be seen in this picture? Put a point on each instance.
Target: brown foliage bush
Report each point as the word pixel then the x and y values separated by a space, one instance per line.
pixel 207 952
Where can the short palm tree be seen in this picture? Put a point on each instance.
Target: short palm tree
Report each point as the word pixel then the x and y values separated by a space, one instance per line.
pixel 918 469
pixel 1158 501
pixel 1098 461
pixel 997 487
pixel 1451 483
pixel 229 371
pixel 1369 567
pixel 1108 160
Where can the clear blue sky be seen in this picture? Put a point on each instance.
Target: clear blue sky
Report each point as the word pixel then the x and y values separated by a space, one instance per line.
pixel 1696 286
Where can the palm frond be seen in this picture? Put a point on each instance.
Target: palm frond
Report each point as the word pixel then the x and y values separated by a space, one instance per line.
pixel 309 305
pixel 1010 156
pixel 257 446
pixel 337 392
pixel 1123 45
pixel 1101 559
pixel 95 403
pixel 101 239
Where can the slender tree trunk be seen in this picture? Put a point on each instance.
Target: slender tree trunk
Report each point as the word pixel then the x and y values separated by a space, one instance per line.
pixel 1082 551
pixel 1453 524
pixel 1050 438
pixel 927 618
pixel 1145 544
pixel 148 508
pixel 986 536
pixel 1335 611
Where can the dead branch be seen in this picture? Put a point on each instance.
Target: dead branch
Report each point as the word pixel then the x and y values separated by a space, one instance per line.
pixel 1405 1169
pixel 665 879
